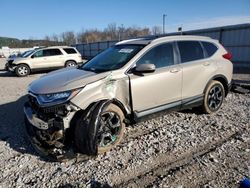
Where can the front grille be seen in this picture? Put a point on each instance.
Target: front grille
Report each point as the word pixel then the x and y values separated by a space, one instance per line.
pixel 45 110
pixel 53 109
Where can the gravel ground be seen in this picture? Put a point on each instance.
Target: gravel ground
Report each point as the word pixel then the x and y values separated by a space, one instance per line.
pixel 180 149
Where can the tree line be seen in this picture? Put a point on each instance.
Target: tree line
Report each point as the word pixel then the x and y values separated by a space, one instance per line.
pixel 111 33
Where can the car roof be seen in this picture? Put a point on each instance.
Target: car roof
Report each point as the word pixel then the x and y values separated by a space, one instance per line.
pixel 147 40
pixel 58 47
pixel 52 47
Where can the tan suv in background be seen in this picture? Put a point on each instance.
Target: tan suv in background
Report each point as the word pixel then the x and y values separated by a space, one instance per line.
pixel 86 108
pixel 44 59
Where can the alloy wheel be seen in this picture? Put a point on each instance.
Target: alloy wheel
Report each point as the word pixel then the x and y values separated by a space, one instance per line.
pixel 215 97
pixel 22 70
pixel 110 129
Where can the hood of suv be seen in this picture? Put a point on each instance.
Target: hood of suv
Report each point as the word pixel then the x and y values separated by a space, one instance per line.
pixel 64 80
pixel 18 59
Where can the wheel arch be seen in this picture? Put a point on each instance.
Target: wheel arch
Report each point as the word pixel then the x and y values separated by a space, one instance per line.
pixel 114 101
pixel 70 60
pixel 23 63
pixel 88 145
pixel 222 79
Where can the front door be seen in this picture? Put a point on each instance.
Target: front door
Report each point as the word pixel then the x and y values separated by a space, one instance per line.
pixel 160 88
pixel 47 58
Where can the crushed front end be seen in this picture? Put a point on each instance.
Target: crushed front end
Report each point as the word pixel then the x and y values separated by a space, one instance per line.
pixel 48 125
pixel 9 66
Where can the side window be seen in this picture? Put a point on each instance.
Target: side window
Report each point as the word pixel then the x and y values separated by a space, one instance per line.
pixel 160 56
pixel 38 53
pixel 52 52
pixel 190 51
pixel 70 50
pixel 46 52
pixel 210 48
pixel 56 52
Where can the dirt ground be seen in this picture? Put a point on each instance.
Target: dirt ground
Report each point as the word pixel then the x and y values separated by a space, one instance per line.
pixel 180 149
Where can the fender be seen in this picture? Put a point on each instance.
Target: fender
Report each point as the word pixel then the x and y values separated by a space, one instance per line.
pixel 116 91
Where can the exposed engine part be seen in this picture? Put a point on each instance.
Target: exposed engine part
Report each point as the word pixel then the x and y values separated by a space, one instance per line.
pixel 47 126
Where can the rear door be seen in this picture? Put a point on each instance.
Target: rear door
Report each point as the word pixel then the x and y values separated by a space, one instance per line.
pixel 54 58
pixel 157 89
pixel 197 68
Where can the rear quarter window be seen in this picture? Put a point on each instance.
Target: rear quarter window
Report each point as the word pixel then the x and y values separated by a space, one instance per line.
pixel 210 48
pixel 190 51
pixel 70 50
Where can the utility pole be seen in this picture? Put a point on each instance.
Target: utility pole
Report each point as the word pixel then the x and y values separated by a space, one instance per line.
pixel 163 25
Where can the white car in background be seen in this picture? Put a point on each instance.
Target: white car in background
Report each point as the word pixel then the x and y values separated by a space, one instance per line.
pixel 44 59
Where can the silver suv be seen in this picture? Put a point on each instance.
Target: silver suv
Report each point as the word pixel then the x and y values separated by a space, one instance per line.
pixel 87 107
pixel 44 59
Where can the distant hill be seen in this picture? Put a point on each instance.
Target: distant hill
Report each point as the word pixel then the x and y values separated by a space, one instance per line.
pixel 5 41
pixel 16 43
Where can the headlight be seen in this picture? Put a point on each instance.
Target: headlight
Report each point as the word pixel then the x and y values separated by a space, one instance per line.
pixel 57 97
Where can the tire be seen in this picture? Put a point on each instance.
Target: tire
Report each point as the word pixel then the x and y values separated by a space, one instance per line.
pixel 100 129
pixel 214 97
pixel 70 64
pixel 22 70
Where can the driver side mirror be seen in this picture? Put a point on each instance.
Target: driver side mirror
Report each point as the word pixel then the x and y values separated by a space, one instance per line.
pixel 32 56
pixel 145 68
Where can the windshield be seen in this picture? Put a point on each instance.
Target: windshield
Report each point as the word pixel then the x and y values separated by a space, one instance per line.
pixel 27 53
pixel 113 58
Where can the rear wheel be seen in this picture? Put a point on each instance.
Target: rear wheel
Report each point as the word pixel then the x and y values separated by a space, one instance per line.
pixel 22 70
pixel 70 64
pixel 102 130
pixel 214 97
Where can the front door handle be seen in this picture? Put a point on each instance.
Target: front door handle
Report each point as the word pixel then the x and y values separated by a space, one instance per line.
pixel 174 70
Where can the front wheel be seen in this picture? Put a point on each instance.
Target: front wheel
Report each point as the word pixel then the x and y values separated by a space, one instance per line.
pixel 214 97
pixel 22 70
pixel 100 130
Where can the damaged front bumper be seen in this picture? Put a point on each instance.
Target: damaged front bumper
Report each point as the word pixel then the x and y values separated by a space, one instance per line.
pixel 33 120
pixel 47 127
pixel 10 67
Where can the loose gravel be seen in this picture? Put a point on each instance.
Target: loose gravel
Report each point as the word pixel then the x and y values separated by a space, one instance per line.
pixel 180 149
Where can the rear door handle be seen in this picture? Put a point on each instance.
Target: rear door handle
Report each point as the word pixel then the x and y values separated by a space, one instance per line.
pixel 174 70
pixel 206 63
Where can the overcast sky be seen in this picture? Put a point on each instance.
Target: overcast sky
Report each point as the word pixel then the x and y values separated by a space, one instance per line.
pixel 24 19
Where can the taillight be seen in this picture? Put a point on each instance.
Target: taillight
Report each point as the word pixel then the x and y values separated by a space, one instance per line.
pixel 228 56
